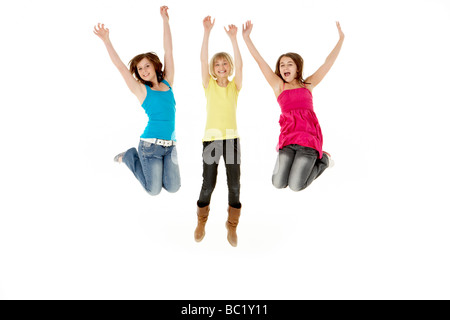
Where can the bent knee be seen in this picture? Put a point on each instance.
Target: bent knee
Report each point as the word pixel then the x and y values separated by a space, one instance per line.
pixel 153 191
pixel 298 187
pixel 279 183
pixel 173 189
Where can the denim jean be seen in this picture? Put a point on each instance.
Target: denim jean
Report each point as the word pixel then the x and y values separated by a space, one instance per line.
pixel 212 151
pixel 155 167
pixel 297 167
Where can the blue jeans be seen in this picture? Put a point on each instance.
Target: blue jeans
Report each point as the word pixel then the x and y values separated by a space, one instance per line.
pixel 155 167
pixel 297 167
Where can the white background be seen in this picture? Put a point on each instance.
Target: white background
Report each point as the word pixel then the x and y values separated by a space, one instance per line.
pixel 75 225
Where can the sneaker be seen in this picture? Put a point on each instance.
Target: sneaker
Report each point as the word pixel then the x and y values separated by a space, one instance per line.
pixel 120 155
pixel 330 161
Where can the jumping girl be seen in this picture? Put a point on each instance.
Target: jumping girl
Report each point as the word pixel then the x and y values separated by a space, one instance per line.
pixel 155 162
pixel 300 156
pixel 221 136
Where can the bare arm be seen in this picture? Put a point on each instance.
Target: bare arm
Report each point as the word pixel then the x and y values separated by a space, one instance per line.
pixel 232 32
pixel 317 77
pixel 136 87
pixel 207 25
pixel 275 82
pixel 169 66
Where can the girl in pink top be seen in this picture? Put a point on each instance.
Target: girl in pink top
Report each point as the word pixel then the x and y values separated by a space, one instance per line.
pixel 300 156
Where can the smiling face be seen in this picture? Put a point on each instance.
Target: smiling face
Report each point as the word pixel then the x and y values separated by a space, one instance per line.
pixel 146 69
pixel 288 69
pixel 221 68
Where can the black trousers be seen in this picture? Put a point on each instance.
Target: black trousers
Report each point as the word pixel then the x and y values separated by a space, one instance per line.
pixel 230 150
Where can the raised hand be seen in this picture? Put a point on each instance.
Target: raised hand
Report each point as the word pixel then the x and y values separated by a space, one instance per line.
pixel 101 32
pixel 207 24
pixel 318 76
pixel 232 31
pixel 169 66
pixel 247 29
pixel 137 88
pixel 164 13
pixel 341 34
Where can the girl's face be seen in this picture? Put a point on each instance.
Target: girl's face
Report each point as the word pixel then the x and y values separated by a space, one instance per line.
pixel 221 68
pixel 146 69
pixel 288 69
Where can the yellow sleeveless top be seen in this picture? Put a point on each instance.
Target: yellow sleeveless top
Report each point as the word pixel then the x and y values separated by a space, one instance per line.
pixel 221 104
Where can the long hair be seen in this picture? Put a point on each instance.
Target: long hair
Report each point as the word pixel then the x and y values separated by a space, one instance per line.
pixel 298 60
pixel 220 55
pixel 153 58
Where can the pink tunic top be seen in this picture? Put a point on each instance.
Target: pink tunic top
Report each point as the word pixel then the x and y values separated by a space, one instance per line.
pixel 298 121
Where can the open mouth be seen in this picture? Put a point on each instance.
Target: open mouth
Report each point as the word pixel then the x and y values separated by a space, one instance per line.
pixel 287 74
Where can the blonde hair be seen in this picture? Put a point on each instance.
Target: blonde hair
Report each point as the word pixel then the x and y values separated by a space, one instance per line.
pixel 221 55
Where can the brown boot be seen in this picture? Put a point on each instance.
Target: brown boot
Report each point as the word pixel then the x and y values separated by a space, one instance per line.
pixel 202 217
pixel 231 224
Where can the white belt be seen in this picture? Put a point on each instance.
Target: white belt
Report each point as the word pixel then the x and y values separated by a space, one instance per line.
pixel 159 142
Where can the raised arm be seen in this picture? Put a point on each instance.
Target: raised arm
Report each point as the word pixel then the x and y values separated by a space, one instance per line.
pixel 207 25
pixel 315 78
pixel 136 87
pixel 275 82
pixel 169 67
pixel 232 32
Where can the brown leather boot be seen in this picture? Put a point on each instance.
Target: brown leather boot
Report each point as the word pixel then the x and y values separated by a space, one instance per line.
pixel 231 224
pixel 202 217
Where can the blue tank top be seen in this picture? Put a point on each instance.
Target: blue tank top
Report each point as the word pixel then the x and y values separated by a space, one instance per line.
pixel 160 109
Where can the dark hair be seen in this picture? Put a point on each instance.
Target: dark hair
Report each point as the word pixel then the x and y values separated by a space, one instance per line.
pixel 298 60
pixel 153 58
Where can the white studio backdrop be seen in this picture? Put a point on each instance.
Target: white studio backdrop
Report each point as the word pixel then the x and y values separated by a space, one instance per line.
pixel 75 225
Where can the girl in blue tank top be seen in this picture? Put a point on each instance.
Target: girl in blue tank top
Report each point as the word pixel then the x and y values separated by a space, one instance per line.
pixel 155 163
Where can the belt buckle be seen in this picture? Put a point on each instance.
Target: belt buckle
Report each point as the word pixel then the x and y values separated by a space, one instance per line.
pixel 164 143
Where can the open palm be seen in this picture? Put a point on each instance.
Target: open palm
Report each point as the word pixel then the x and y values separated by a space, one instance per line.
pixel 101 31
pixel 232 30
pixel 247 28
pixel 207 23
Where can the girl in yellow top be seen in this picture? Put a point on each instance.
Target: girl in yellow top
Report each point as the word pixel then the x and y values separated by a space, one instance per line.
pixel 221 136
